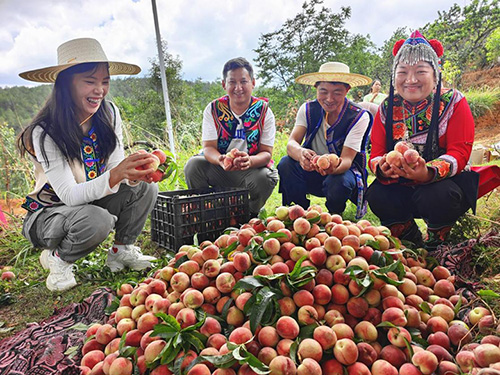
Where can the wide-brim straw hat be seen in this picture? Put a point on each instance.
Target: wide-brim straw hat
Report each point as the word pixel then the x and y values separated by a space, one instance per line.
pixel 74 52
pixel 334 72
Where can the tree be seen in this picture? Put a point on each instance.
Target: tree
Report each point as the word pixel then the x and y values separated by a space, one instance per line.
pixel 465 31
pixel 301 45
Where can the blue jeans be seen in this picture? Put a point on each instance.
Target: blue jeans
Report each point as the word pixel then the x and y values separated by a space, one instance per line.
pixel 296 183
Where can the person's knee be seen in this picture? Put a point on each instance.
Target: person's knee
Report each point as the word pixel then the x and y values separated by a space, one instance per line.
pixel 96 222
pixel 194 165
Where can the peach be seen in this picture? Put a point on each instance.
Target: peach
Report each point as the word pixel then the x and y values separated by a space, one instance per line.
pixel 332 245
pixel 318 256
pixel 306 315
pixel 441 353
pixel 332 367
pixel 282 365
pixel 211 295
pixel 216 341
pixel 333 317
pixel 295 211
pixel 409 369
pixel 398 336
pixel 235 316
pixel 281 213
pixel 444 288
pixel 394 158
pixel 105 334
pixel 92 358
pixel 180 281
pixel 411 157
pixel 486 354
pixel 335 262
pixel 211 268
pixel 199 369
pixel 459 334
pixel 138 296
pixel 92 345
pixel 382 367
pixel 447 368
pixel 301 226
pixel 309 366
pixel 283 347
pixel 339 231
pixel 395 316
pixel 425 361
pixel 367 353
pixel 267 354
pixel 199 281
pixel 366 331
pixel 210 327
pixel 402 147
pixel 268 336
pixel 425 277
pixel 394 355
pixel 357 307
pixel 325 336
pixel 121 366
pixel 298 252
pixel 241 262
pixel 466 360
pixel 287 327
pixel 310 348
pixel 147 322
pixel 477 313
pixel 345 351
pixel 125 325
pixel 225 282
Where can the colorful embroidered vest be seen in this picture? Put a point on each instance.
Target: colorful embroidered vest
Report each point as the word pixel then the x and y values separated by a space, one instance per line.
pixel 335 138
pixel 226 123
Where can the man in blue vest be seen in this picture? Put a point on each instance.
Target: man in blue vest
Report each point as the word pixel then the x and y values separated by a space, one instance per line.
pixel 238 137
pixel 331 124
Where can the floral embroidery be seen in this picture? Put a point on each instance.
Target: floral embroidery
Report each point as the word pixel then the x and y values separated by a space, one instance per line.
pixel 91 156
pixel 398 113
pixel 398 130
pixel 442 166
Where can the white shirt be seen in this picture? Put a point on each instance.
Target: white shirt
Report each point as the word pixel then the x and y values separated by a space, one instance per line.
pixel 353 139
pixel 209 130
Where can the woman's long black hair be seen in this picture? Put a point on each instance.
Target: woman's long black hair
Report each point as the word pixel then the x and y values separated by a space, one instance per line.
pixel 58 120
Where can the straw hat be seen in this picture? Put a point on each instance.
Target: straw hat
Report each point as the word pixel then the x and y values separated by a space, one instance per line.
pixel 78 51
pixel 334 72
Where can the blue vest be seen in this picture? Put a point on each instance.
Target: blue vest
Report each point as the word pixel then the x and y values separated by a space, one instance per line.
pixel 335 138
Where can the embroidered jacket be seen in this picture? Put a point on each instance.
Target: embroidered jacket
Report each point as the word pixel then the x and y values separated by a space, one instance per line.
pixel 411 122
pixel 226 123
pixel 335 138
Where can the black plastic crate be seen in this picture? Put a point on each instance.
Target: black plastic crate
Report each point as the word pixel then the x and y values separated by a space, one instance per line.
pixel 180 214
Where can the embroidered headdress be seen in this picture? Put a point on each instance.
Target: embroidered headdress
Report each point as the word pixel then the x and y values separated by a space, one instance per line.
pixel 416 48
pixel 410 51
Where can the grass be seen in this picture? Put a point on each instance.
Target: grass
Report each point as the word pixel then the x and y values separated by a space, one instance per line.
pixel 482 100
pixel 26 298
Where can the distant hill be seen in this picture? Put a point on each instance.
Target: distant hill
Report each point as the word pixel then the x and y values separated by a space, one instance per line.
pixel 19 104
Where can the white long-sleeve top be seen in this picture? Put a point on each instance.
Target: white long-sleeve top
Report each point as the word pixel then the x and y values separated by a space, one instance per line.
pixel 68 180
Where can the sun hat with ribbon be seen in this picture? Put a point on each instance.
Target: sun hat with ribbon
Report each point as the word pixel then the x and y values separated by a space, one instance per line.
pixel 78 51
pixel 334 72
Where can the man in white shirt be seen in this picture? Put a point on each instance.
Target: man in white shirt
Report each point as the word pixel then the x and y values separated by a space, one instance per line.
pixel 238 137
pixel 331 124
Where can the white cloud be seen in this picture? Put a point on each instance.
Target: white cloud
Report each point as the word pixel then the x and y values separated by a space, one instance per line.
pixel 204 34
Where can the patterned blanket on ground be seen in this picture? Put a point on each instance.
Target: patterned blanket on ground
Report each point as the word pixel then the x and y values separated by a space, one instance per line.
pixel 40 349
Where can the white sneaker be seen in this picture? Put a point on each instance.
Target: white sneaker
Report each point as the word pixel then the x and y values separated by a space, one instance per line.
pixel 61 275
pixel 131 257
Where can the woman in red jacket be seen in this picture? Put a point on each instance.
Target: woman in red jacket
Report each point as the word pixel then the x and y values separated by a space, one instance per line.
pixel 438 123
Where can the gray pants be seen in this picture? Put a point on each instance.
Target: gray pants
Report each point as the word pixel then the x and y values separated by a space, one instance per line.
pixel 77 231
pixel 260 182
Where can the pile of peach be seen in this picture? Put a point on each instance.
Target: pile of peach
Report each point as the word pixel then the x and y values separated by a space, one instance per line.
pixel 356 322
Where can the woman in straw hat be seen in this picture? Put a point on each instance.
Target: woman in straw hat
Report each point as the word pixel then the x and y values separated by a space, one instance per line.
pixel 437 123
pixel 330 125
pixel 84 185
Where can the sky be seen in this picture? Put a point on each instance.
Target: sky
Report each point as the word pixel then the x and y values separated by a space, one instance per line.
pixel 204 34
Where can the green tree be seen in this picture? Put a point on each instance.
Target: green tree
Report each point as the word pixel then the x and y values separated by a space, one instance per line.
pixel 493 47
pixel 314 36
pixel 465 31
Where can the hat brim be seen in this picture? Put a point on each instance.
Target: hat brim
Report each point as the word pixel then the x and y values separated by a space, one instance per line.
pixel 352 79
pixel 49 74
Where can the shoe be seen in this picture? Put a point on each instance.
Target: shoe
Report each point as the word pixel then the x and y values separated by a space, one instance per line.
pixel 130 256
pixel 61 275
pixel 408 231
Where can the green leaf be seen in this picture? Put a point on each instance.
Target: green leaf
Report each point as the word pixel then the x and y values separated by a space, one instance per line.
pixel 122 341
pixel 226 307
pixel 168 322
pixel 408 346
pixel 264 299
pixel 488 293
pixel 306 332
pixel 314 219
pixel 378 258
pixel 274 235
pixel 193 340
pixel 249 283
pixel 387 324
pixel 424 306
pixel 181 260
pixel 228 250
pixel 239 353
pixel 296 269
pixel 128 351
pixel 293 351
pixel 219 361
pixel 198 324
pixel 168 353
pixel 79 327
pixel 72 351
pixel 457 307
pixel 373 244
pixel 113 306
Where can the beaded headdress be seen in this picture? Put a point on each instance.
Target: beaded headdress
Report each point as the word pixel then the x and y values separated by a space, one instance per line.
pixel 416 48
